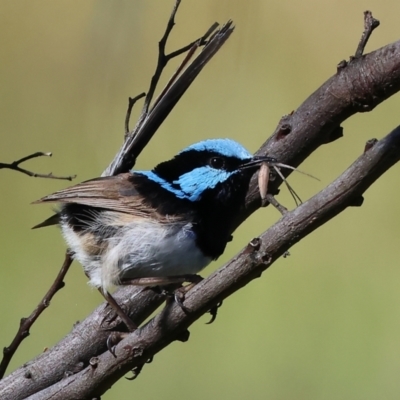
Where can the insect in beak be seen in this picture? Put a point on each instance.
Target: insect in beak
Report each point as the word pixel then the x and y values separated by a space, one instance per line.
pixel 264 177
pixel 263 180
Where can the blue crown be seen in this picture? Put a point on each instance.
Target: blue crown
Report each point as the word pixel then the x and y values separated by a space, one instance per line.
pixel 226 147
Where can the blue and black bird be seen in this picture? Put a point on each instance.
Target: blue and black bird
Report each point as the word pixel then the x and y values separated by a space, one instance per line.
pixel 159 226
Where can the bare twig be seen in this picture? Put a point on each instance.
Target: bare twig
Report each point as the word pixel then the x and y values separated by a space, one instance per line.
pixel 162 62
pixel 200 42
pixel 26 323
pixel 370 23
pixel 271 199
pixel 15 167
pixel 164 58
pixel 131 103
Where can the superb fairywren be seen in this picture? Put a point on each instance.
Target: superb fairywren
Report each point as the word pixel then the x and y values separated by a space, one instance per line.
pixel 160 226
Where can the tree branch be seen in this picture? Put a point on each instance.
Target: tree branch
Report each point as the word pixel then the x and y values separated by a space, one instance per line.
pixel 358 86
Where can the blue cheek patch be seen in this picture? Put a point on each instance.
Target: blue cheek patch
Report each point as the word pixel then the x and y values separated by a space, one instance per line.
pixel 193 183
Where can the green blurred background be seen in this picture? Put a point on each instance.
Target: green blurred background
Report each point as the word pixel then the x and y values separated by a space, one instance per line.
pixel 321 324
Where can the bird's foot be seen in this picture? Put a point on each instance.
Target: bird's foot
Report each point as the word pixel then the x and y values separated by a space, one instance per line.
pixel 113 339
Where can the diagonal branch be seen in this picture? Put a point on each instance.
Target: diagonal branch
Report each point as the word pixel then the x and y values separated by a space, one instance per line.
pixel 164 58
pixel 359 86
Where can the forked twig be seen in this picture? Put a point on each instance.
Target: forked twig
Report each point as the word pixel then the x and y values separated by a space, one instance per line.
pixel 162 61
pixel 131 103
pixel 164 58
pixel 15 167
pixel 370 23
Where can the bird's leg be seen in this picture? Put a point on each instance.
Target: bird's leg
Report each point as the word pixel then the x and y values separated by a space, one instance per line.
pixel 121 313
pixel 115 337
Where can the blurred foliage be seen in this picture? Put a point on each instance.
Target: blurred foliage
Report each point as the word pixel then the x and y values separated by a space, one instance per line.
pixel 321 324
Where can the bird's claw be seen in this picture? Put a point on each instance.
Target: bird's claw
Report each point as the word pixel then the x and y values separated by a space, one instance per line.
pixel 113 339
pixel 213 311
pixel 136 371
pixel 179 297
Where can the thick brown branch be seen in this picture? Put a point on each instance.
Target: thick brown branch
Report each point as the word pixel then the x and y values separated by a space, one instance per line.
pixel 358 87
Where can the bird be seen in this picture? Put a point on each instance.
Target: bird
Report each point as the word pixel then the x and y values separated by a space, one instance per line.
pixel 158 226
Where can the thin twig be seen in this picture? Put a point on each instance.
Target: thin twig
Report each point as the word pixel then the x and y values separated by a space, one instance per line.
pixel 176 74
pixel 161 62
pixel 26 323
pixel 370 23
pixel 131 103
pixel 200 42
pixel 15 167
pixel 271 199
pixel 163 58
pixel 191 49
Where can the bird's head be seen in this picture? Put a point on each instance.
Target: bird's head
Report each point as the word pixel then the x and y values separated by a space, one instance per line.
pixel 217 170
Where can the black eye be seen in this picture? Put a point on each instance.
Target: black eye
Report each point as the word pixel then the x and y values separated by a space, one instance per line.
pixel 217 162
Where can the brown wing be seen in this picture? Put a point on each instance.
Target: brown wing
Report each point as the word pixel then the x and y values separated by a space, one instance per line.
pixel 115 193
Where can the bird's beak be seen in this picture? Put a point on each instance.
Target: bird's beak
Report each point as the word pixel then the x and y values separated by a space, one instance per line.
pixel 256 162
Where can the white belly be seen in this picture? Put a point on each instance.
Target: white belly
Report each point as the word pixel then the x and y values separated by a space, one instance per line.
pixel 140 249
